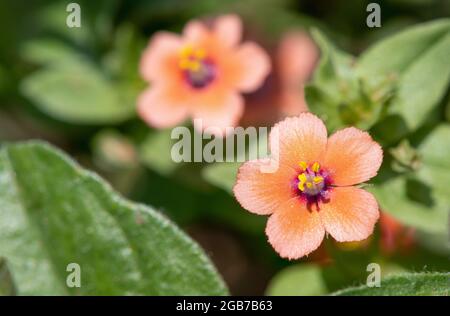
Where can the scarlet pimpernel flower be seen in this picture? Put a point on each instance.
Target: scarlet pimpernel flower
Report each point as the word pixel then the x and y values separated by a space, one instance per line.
pixel 312 192
pixel 200 74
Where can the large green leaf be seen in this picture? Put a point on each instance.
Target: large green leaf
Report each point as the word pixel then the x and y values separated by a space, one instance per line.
pixel 53 213
pixel 411 284
pixel 418 57
pixel 396 53
pixel 423 85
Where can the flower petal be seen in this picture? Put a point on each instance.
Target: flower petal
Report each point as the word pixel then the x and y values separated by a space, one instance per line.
pixel 160 107
pixel 262 193
pixel 301 138
pixel 352 157
pixel 294 231
pixel 350 214
pixel 252 67
pixel 217 111
pixel 195 31
pixel 229 29
pixel 159 58
pixel 296 57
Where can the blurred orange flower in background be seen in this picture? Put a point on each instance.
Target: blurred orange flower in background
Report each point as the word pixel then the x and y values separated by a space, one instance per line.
pixel 312 191
pixel 282 94
pixel 394 235
pixel 200 74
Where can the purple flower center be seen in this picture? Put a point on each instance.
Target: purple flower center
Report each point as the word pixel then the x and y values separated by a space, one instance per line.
pixel 202 76
pixel 312 183
pixel 198 70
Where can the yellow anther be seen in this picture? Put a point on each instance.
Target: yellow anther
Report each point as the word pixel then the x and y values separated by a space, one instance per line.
pixel 309 185
pixel 195 66
pixel 200 53
pixel 316 167
pixel 303 165
pixel 186 51
pixel 302 177
pixel 184 64
pixel 318 179
pixel 302 180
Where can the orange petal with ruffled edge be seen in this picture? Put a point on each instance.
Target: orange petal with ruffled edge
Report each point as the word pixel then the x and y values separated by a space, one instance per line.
pixel 293 230
pixel 296 139
pixel 262 193
pixel 159 60
pixel 161 108
pixel 217 111
pixel 350 214
pixel 195 31
pixel 229 29
pixel 352 157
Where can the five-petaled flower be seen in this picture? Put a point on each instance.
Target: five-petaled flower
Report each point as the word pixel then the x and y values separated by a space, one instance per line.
pixel 312 192
pixel 200 74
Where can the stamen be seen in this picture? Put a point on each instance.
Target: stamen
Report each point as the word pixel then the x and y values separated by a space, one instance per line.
pixel 303 165
pixel 316 167
pixel 318 179
pixel 197 68
pixel 186 51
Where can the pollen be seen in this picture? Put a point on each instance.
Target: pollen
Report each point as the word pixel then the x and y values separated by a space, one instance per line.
pixel 303 165
pixel 311 181
pixel 198 69
pixel 316 167
pixel 191 59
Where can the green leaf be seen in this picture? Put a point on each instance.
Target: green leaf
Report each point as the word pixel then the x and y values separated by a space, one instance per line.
pixel 155 152
pixel 77 92
pixel 413 203
pixel 298 280
pixel 419 58
pixel 410 284
pixel 334 64
pixel 423 85
pixel 222 175
pixel 339 96
pixel 396 53
pixel 53 213
pixel 48 51
pixel 434 150
pixel 421 197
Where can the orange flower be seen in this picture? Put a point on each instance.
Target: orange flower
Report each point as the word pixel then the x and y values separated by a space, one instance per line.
pixel 200 74
pixel 312 191
pixel 282 94
pixel 394 235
